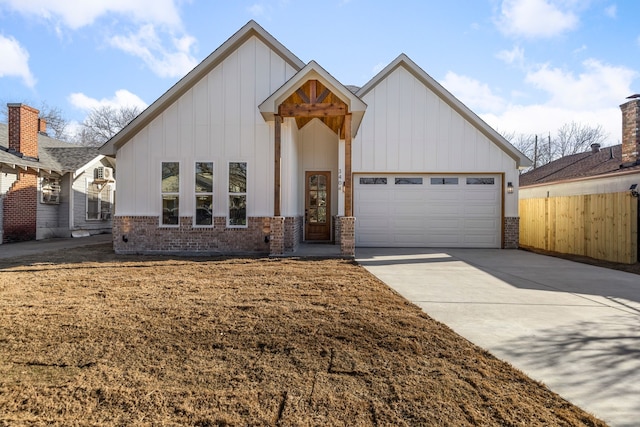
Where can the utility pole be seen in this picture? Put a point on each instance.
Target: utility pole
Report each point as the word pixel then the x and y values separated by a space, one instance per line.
pixel 535 153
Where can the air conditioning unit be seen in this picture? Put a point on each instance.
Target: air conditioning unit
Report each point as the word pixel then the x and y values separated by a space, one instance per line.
pixel 103 174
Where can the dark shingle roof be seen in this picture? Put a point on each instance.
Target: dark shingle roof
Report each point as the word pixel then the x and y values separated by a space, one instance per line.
pixel 53 154
pixel 580 165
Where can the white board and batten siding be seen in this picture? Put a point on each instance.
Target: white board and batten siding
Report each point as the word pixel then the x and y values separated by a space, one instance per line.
pixel 216 120
pixel 410 130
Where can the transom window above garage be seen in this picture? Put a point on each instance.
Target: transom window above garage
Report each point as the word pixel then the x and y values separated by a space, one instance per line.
pixel 444 181
pixel 408 180
pixel 373 181
pixel 481 181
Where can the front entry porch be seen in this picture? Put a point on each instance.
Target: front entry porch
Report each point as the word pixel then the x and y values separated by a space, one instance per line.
pixel 312 96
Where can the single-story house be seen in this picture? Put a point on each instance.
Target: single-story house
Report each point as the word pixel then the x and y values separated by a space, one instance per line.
pixel 587 203
pixel 256 151
pixel 50 188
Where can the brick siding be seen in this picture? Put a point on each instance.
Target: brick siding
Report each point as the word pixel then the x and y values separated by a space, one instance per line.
pixel 630 132
pixel 144 235
pixel 348 236
pixel 23 129
pixel 511 233
pixel 292 233
pixel 19 210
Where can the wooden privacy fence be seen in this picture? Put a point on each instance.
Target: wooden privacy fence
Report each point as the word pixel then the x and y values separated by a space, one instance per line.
pixel 601 226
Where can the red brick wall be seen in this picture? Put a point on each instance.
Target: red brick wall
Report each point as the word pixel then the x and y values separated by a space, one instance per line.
pixel 23 129
pixel 144 235
pixel 630 132
pixel 511 237
pixel 19 209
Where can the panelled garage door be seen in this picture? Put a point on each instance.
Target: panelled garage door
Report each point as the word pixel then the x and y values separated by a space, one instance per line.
pixel 428 210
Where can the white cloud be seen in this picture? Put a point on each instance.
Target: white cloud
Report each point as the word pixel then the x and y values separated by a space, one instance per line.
pixel 164 62
pixel 537 18
pixel 513 56
pixel 598 86
pixel 591 97
pixel 256 10
pixel 15 61
pixel 611 11
pixel 122 98
pixel 476 95
pixel 77 14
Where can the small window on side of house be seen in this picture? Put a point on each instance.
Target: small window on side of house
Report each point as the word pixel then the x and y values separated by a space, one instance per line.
pixel 204 194
pixel 99 201
pixel 237 194
pixel 170 189
pixel 50 191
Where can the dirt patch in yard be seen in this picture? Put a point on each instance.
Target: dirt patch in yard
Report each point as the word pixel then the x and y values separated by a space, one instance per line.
pixel 91 338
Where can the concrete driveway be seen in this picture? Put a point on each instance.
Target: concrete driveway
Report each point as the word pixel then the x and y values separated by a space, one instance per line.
pixel 571 326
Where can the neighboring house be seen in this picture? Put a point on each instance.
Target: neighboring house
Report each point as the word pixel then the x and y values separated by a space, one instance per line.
pixel 50 188
pixel 586 203
pixel 256 151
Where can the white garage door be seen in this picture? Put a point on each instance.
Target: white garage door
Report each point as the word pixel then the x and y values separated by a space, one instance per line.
pixel 461 211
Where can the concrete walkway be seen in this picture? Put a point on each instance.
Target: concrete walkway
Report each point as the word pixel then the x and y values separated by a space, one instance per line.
pixel 572 326
pixel 9 250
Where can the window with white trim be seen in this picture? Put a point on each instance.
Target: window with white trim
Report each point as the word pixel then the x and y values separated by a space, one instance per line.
pixel 50 191
pixel 170 190
pixel 99 201
pixel 237 194
pixel 204 194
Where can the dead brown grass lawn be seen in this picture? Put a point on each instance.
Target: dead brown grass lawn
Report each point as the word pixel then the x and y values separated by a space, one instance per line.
pixel 91 338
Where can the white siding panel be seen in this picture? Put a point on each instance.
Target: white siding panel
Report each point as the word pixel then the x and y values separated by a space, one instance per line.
pixel 407 127
pixel 216 120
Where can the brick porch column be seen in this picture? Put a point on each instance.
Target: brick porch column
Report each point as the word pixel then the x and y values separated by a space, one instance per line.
pixel 511 233
pixel 276 238
pixel 348 236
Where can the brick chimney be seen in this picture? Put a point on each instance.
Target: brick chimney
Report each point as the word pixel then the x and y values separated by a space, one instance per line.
pixel 23 129
pixel 630 132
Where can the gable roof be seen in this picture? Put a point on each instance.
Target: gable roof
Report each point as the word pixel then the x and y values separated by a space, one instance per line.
pixel 404 61
pixel 53 155
pixel 607 161
pixel 313 71
pixel 251 29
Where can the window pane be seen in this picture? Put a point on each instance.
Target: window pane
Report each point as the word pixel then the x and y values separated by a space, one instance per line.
pixel 313 182
pixel 322 214
pixel 409 181
pixel 368 181
pixel 204 177
pixel 170 210
pixel 237 210
pixel 204 215
pixel 170 177
pixel 92 202
pixel 480 181
pixel 237 177
pixel 322 182
pixel 444 181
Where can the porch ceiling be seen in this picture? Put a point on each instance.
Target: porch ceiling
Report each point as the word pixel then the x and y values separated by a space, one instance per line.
pixel 314 100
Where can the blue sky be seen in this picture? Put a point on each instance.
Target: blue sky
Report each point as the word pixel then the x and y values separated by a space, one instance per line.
pixel 524 66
